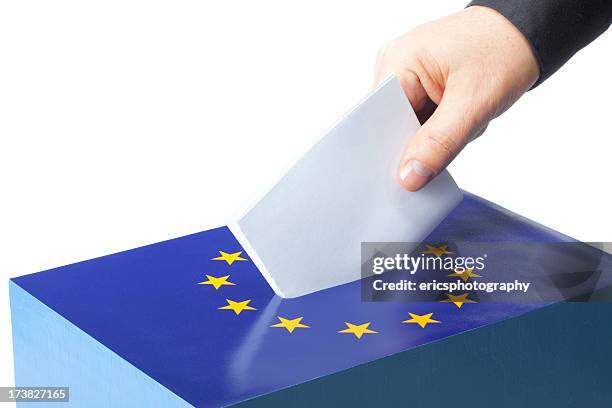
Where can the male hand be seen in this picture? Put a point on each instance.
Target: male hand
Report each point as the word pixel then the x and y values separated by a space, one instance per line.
pixel 473 65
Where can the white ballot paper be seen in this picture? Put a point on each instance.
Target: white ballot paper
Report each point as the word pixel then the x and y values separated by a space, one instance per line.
pixel 305 233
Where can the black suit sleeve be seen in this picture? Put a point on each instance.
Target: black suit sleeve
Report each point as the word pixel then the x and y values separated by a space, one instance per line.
pixel 556 29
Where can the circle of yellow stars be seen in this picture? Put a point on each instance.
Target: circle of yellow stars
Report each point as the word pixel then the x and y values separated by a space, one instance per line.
pixel 358 330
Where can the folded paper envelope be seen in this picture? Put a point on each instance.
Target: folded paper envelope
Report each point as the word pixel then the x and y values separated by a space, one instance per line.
pixel 305 233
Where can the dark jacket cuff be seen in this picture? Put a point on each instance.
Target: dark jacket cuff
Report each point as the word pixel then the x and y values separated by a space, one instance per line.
pixel 556 29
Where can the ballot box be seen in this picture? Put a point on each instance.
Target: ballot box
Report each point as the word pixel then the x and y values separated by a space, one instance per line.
pixel 191 322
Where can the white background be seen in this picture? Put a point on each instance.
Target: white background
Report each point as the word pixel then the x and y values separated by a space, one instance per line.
pixel 123 123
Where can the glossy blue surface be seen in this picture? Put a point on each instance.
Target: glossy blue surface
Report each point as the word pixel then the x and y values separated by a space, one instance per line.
pixel 48 349
pixel 146 306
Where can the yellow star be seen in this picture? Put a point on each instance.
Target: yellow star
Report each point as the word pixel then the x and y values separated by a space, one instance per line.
pixel 458 300
pixel 465 275
pixel 229 258
pixel 216 282
pixel 237 307
pixel 422 321
pixel 357 329
pixel 290 324
pixel 437 251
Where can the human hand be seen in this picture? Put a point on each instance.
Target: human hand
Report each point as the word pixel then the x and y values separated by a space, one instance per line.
pixel 473 65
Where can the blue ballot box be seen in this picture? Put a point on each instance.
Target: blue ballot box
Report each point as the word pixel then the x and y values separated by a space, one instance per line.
pixel 191 322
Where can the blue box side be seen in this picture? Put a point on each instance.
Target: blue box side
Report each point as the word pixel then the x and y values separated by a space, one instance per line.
pixel 558 356
pixel 51 351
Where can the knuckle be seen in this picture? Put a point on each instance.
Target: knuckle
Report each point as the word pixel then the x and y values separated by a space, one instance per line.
pixel 442 144
pixel 386 51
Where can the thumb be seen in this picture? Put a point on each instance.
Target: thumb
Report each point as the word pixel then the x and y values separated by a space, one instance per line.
pixel 452 125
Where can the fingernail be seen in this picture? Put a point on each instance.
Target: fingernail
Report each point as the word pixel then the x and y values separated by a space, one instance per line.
pixel 415 175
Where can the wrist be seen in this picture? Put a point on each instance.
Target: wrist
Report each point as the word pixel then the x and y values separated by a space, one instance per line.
pixel 516 43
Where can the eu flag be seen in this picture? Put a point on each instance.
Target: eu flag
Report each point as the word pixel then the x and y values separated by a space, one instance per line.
pixel 191 322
